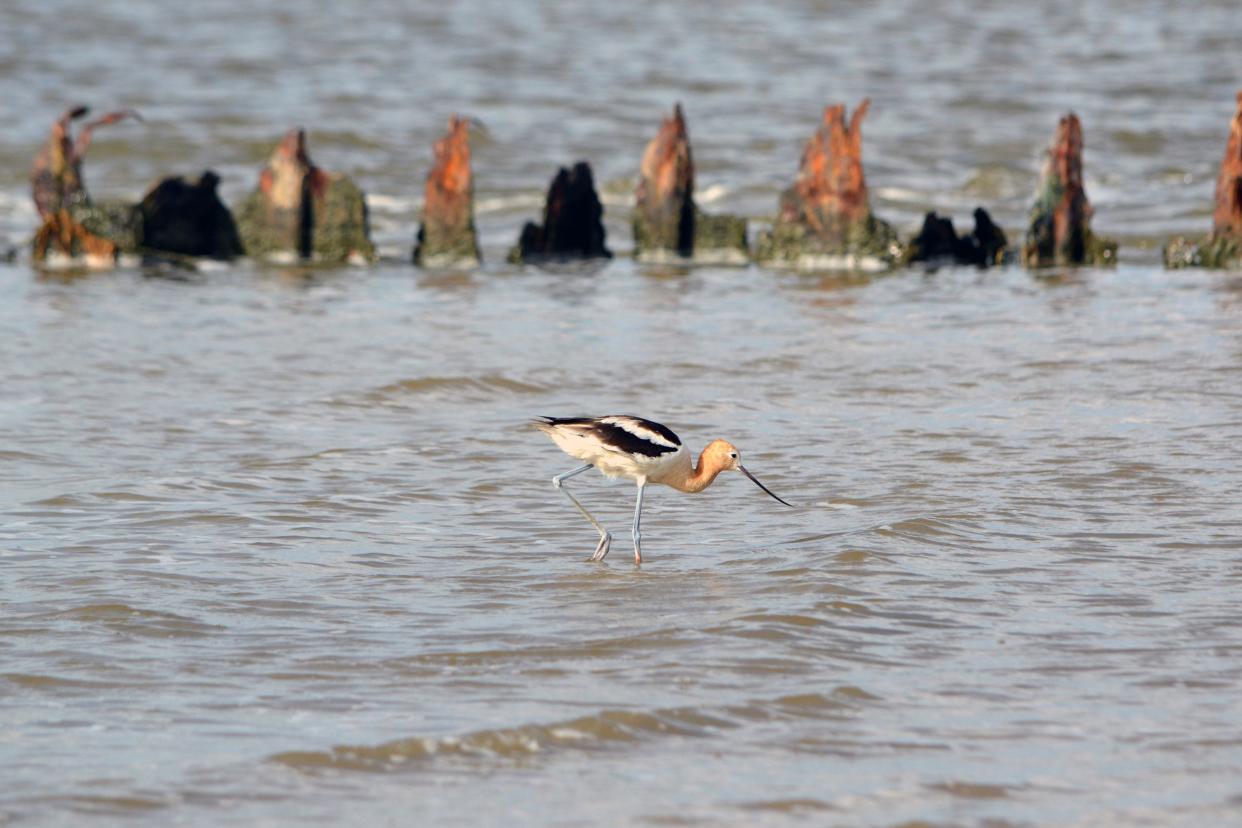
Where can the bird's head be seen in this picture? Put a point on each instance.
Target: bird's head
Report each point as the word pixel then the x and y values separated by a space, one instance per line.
pixel 724 456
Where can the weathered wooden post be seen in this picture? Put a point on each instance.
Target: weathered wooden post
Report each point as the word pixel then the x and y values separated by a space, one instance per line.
pixel 572 225
pixel 302 211
pixel 667 223
pixel 72 223
pixel 825 219
pixel 447 237
pixel 1060 228
pixel 1222 248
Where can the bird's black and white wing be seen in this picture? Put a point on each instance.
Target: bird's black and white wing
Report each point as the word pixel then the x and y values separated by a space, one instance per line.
pixel 634 435
pixel 585 437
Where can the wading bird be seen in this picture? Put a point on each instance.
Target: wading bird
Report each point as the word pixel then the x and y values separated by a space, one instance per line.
pixel 639 450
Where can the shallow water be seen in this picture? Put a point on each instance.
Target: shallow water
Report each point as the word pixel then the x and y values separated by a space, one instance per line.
pixel 278 547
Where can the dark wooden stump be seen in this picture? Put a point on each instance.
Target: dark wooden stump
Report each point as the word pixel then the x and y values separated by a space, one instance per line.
pixel 938 242
pixel 187 218
pixel 572 226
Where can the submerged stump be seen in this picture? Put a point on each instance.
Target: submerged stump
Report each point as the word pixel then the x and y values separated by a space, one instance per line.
pixel 446 236
pixel 299 210
pixel 1060 228
pixel 667 222
pixel 61 235
pixel 825 219
pixel 73 224
pixel 187 218
pixel 572 226
pixel 1222 248
pixel 938 242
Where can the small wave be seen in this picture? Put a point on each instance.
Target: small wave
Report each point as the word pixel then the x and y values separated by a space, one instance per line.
pixel 600 731
pixel 783 620
pixel 135 620
pixel 7 454
pixel 489 384
pixel 115 805
pixel 926 529
pixel 787 806
pixel 42 682
pixel 973 790
pixel 130 497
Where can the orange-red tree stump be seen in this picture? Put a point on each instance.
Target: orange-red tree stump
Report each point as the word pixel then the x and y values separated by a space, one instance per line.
pixel 447 236
pixel 1222 248
pixel 825 219
pixel 667 222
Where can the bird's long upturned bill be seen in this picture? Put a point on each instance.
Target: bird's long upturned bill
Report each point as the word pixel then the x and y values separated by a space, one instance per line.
pixel 755 480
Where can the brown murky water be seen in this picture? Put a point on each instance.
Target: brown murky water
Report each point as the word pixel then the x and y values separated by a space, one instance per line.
pixel 278 549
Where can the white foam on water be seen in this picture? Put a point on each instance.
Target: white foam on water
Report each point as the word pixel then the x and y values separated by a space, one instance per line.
pixel 61 261
pixel 448 261
pixel 512 201
pixel 901 194
pixel 711 193
pixel 624 199
pixel 394 203
pixel 842 263
pixel 17 203
pixel 212 265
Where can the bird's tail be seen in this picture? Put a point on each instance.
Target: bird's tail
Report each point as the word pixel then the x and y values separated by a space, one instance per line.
pixel 544 424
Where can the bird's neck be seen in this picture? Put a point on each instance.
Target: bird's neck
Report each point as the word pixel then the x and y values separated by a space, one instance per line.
pixel 696 479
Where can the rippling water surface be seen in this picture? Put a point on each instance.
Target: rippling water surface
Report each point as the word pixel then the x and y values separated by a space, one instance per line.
pixel 278 548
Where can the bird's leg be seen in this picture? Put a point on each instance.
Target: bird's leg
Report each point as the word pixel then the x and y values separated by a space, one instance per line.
pixel 605 537
pixel 638 513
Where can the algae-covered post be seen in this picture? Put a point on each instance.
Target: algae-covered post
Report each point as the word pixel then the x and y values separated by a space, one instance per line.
pixel 572 226
pixel 187 218
pixel 301 211
pixel 1222 248
pixel 667 222
pixel 938 242
pixel 1060 230
pixel 60 234
pixel 72 224
pixel 825 219
pixel 446 237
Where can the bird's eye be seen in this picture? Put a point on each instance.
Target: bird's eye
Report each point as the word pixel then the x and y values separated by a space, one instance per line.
pixel 733 455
